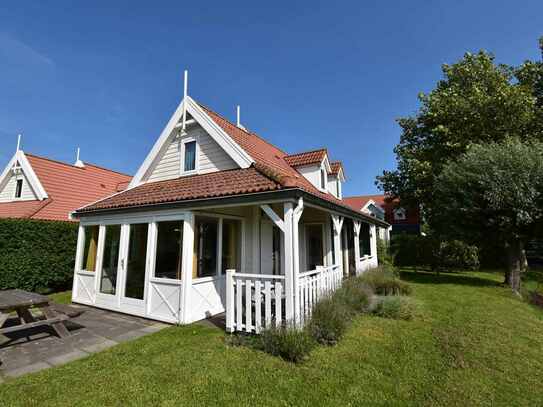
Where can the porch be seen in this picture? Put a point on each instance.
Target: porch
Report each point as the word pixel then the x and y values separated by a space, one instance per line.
pixel 260 262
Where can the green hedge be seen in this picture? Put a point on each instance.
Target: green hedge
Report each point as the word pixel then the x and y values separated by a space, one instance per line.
pixel 37 255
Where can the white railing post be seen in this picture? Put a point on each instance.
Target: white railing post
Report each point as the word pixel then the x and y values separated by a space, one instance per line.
pixel 230 300
pixel 357 246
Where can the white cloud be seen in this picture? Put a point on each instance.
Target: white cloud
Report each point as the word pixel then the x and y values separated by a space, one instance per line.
pixel 17 52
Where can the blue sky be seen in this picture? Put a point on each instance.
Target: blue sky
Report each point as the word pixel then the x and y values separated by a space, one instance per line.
pixel 106 76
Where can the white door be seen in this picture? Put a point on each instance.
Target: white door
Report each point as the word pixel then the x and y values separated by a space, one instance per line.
pixel 266 248
pixel 110 265
pixel 134 268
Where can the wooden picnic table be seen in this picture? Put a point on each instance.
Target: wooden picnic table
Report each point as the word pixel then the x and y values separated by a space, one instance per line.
pixel 21 302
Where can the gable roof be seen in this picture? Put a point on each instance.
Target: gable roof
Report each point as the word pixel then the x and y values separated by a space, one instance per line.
pixel 359 202
pixel 68 187
pixel 306 158
pixel 270 171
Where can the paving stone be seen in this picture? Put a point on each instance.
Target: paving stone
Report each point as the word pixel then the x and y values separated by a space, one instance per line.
pixel 35 367
pixel 67 357
pixel 100 346
pixel 128 336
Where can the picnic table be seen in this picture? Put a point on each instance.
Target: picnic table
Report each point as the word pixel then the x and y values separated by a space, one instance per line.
pixel 21 302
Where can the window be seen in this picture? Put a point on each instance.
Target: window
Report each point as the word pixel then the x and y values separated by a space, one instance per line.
pixel 314 246
pixel 323 178
pixel 90 234
pixel 136 261
pixel 169 251
pixel 189 156
pixel 364 239
pixel 108 279
pixel 19 188
pixel 205 247
pixel 231 245
pixel 400 214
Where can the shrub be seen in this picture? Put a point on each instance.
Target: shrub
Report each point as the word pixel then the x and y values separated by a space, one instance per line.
pixel 37 255
pixel 396 307
pixel 384 255
pixel 355 295
pixel 329 320
pixel 383 281
pixel 287 342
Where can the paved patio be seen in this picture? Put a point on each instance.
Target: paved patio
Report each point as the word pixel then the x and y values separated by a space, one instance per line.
pixel 92 331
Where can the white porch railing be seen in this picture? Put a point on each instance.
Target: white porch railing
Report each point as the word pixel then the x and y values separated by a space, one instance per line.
pixel 367 262
pixel 254 301
pixel 257 301
pixel 313 285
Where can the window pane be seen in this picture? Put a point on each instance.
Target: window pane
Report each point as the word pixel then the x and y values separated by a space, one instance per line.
pixel 190 156
pixel 323 180
pixel 205 247
pixel 90 234
pixel 231 245
pixel 136 261
pixel 169 251
pixel 108 280
pixel 314 243
pixel 19 188
pixel 364 239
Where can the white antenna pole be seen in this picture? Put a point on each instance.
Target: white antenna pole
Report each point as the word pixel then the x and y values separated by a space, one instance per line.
pixel 18 142
pixel 238 120
pixel 77 155
pixel 185 87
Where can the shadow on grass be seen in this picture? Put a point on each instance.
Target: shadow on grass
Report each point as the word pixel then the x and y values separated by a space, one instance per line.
pixel 425 277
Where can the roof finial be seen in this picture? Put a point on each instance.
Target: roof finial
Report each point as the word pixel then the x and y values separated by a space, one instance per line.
pixel 238 119
pixel 185 88
pixel 78 162
pixel 18 142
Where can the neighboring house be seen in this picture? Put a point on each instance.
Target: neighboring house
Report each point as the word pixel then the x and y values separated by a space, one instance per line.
pixel 33 187
pixel 212 196
pixel 403 220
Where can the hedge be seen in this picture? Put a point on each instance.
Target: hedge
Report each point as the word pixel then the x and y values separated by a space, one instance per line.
pixel 37 255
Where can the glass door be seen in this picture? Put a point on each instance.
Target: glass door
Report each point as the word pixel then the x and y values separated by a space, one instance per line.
pixel 110 265
pixel 134 265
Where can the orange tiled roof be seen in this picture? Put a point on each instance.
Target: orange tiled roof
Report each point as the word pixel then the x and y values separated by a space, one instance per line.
pixel 335 167
pixel 68 187
pixel 272 170
pixel 306 158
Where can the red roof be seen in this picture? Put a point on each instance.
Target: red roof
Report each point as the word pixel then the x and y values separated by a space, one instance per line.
pixel 335 167
pixel 306 158
pixel 68 187
pixel 271 171
pixel 387 204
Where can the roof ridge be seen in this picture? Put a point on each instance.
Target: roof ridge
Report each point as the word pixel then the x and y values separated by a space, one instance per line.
pixel 250 133
pixel 310 151
pixel 74 166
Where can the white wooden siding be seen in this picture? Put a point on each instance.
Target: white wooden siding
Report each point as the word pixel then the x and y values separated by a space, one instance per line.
pixel 7 194
pixel 312 174
pixel 211 157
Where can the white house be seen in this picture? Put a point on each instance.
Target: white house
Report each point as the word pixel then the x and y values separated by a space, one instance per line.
pixel 217 219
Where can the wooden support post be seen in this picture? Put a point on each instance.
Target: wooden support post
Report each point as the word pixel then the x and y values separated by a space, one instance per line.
pixel 358 266
pixel 186 277
pixel 338 253
pixel 289 261
pixel 230 301
pixel 373 242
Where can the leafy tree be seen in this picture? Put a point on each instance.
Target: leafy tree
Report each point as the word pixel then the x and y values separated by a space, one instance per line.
pixel 494 191
pixel 477 101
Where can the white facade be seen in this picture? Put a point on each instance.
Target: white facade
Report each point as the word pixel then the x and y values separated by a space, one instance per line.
pixel 7 193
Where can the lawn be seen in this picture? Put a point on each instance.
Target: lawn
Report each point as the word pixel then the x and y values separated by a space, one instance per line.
pixel 475 344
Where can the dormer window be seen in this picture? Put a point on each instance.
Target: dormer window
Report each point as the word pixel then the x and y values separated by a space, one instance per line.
pixel 189 155
pixel 323 178
pixel 400 214
pixel 19 188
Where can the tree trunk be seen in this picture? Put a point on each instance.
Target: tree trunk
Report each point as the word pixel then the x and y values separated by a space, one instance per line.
pixel 514 256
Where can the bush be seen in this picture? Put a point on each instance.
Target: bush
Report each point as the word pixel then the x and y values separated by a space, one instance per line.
pixel 37 255
pixel 329 320
pixel 355 295
pixel 435 253
pixel 396 307
pixel 383 281
pixel 287 342
pixel 383 253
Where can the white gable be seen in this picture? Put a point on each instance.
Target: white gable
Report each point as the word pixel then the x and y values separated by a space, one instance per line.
pixel 19 168
pixel 211 157
pixel 164 151
pixel 7 194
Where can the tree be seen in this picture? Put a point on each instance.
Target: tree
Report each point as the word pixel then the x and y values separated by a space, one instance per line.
pixel 477 101
pixel 494 191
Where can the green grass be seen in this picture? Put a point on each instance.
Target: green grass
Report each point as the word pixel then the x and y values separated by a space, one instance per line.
pixel 63 297
pixel 474 344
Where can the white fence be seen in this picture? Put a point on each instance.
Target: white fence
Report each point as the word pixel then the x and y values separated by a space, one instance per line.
pixel 254 301
pixel 257 301
pixel 313 285
pixel 367 263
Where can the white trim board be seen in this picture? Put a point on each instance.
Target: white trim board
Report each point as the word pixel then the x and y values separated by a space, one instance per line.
pixel 28 171
pixel 231 148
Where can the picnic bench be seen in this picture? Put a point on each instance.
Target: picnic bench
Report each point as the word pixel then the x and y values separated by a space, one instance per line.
pixel 21 302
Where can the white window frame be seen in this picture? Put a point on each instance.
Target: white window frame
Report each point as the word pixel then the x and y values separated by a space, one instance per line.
pixel 20 197
pixel 322 170
pixel 184 141
pixel 400 214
